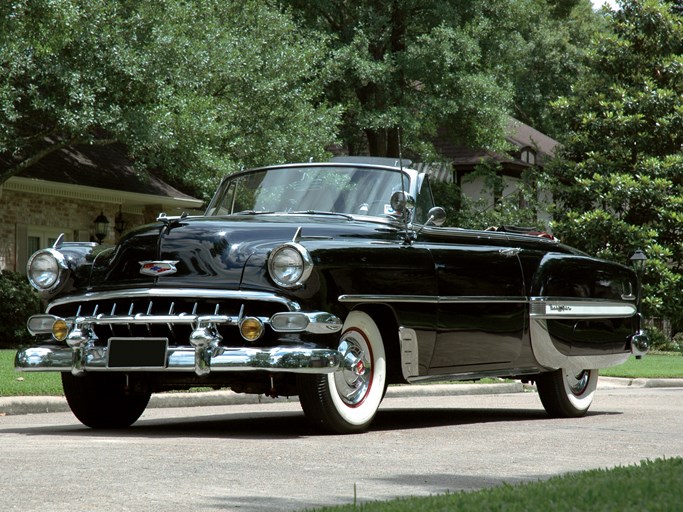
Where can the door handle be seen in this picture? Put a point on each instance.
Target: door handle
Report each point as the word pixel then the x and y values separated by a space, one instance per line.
pixel 510 251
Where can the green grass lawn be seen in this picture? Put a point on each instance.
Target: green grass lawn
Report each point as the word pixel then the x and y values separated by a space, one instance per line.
pixel 13 383
pixel 656 365
pixel 652 486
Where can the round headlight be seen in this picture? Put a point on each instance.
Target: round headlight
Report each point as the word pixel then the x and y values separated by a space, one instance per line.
pixel 45 269
pixel 290 265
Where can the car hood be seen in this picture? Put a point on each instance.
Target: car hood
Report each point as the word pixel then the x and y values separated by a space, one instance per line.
pixel 212 252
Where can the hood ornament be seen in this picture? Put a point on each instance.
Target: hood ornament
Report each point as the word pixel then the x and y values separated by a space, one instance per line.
pixel 158 268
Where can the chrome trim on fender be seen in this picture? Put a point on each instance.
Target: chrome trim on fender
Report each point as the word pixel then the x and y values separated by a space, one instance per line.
pixel 482 299
pixel 424 299
pixel 432 299
pixel 558 309
pixel 548 356
pixel 541 307
pixel 191 293
pixel 182 359
pixel 409 353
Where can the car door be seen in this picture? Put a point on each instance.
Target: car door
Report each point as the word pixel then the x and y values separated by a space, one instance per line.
pixel 481 305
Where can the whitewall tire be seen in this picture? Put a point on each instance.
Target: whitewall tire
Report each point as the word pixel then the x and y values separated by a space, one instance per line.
pixel 567 393
pixel 347 400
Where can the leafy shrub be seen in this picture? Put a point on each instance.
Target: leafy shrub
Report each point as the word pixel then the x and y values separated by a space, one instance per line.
pixel 663 343
pixel 676 344
pixel 18 301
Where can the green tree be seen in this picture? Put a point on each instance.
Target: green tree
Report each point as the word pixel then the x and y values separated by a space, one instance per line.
pixel 548 55
pixel 621 172
pixel 195 89
pixel 417 65
pixel 449 66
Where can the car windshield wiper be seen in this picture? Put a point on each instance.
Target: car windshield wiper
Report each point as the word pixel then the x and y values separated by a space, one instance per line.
pixel 319 212
pixel 252 212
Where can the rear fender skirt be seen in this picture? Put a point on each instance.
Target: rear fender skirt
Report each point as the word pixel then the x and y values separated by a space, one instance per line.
pixel 543 309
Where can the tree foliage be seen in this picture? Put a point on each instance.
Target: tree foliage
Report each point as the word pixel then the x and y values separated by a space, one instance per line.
pixel 196 89
pixel 621 172
pixel 418 65
pixel 550 46
pixel 454 65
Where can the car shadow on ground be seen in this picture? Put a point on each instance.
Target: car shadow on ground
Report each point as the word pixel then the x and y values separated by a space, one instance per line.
pixel 293 424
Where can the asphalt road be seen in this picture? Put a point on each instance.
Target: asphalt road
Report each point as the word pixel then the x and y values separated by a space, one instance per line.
pixel 265 457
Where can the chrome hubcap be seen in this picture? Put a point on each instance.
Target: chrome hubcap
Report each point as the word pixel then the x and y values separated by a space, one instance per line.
pixel 578 382
pixel 354 378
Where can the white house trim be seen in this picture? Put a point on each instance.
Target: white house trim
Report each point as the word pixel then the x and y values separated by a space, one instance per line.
pixel 96 195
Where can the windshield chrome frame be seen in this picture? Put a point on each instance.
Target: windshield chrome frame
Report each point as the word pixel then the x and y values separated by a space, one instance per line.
pixel 411 184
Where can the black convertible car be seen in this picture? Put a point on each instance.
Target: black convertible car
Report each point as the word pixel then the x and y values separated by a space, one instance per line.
pixel 328 281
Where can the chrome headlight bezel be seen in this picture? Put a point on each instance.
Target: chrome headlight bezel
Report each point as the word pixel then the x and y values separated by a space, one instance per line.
pixel 52 276
pixel 290 265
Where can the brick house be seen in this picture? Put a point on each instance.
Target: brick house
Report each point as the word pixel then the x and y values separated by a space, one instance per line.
pixel 67 190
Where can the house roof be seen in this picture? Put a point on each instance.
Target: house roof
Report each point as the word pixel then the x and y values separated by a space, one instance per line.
pixel 99 166
pixel 105 171
pixel 523 135
pixel 519 134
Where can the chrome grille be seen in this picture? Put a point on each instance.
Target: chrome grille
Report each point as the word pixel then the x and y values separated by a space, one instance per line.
pixel 167 317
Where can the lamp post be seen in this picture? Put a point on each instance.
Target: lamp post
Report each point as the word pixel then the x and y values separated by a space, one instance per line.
pixel 638 261
pixel 640 341
pixel 101 227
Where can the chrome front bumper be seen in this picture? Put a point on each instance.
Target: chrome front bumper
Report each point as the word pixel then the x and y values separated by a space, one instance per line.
pixel 78 348
pixel 182 359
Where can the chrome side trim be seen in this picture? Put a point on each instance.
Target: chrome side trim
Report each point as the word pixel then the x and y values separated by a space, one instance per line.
pixel 190 293
pixel 541 307
pixel 548 356
pixel 432 299
pixel 424 299
pixel 409 353
pixel 484 299
pixel 182 359
pixel 558 309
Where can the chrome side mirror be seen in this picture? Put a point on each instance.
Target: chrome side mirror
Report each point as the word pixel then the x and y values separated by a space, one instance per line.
pixel 436 216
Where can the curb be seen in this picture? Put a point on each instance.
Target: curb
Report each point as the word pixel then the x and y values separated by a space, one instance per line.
pixel 47 404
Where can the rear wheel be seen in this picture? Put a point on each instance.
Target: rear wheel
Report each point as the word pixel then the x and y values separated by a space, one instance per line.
pixel 105 400
pixel 566 393
pixel 347 400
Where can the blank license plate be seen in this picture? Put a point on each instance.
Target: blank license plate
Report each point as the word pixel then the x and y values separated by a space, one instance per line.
pixel 137 352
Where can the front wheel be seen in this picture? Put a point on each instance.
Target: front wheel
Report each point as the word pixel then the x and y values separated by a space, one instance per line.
pixel 347 400
pixel 105 400
pixel 565 393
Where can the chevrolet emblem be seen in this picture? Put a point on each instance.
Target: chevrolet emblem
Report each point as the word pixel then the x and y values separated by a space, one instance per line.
pixel 158 268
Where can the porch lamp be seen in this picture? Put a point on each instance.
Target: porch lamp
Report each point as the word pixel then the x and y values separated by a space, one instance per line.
pixel 101 227
pixel 119 222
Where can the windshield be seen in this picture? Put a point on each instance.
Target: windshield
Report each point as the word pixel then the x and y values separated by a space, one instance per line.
pixel 350 190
